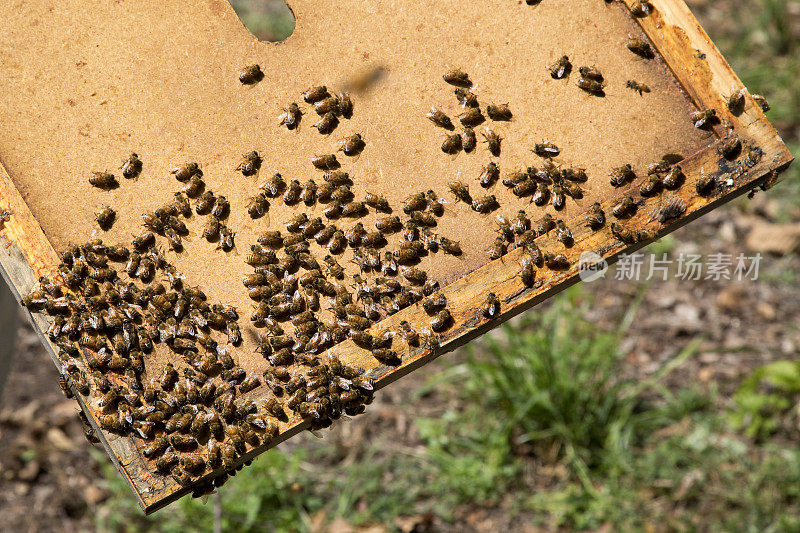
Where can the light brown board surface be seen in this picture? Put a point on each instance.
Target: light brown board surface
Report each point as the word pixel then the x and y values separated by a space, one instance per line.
pixel 86 83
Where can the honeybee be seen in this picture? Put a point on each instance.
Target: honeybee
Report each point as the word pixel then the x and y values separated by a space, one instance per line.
pixel 674 178
pixel 292 193
pixel 433 304
pixel 622 233
pixel 388 224
pixel 493 141
pixel 489 175
pixel 327 123
pixel 331 104
pixel 345 105
pixel 274 186
pixel 499 112
pixel 731 147
pixel 408 334
pixel 591 73
pixel 525 188
pixel 638 87
pixel 558 199
pixel 354 209
pixel 249 164
pixel 211 230
pixel 355 235
pixel 131 167
pixel 452 144
pixel 184 172
pixel 468 139
pixel 705 184
pixel 221 207
pixel 353 145
pixel 251 74
pixel 625 208
pixel 103 180
pixel 439 118
pixel 325 162
pixel 105 218
pixel 471 117
pixel 652 186
pixel 498 249
pixel 315 94
pixel 377 202
pixel 674 208
pixel 640 47
pixel 457 77
pixel 560 68
pixel 491 307
pixel 194 187
pixel 144 240
pixel 415 202
pixel 461 191
pixel 414 275
pixel 527 273
pixel 704 118
pixel 563 234
pixel 546 149
pixel 485 204
pixel 338 242
pixel 622 175
pixel 762 102
pixel 258 205
pixel 641 8
pixel 466 97
pixel 592 87
pixel 441 321
pixel 596 217
pixel 556 261
pixel 226 239
pixel 423 218
pixel 291 117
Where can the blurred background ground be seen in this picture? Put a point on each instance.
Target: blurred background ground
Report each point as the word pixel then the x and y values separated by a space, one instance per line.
pixel 655 406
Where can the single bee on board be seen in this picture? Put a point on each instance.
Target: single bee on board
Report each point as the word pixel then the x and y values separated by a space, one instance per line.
pixel 439 118
pixel 731 147
pixel 291 195
pixel 441 321
pixel 221 207
pixel 674 208
pixel 638 87
pixel 499 112
pixel 489 175
pixel 457 77
pixel 762 102
pixel 469 140
pixel 249 164
pixel 556 261
pixel 493 141
pixel 736 100
pixel 591 73
pixel 103 180
pixel 596 217
pixel 625 208
pixel 315 94
pixel 641 8
pixel 674 178
pixel 563 234
pixel 105 218
pixel 592 87
pixel 353 145
pixel 461 191
pixel 274 186
pixel 491 307
pixel 251 74
pixel 651 186
pixel 622 175
pixel 466 97
pixel 704 118
pixel 527 273
pixel 471 117
pixel 131 167
pixel 705 184
pixel 325 162
pixel 327 123
pixel 622 233
pixel 258 205
pixel 184 172
pixel 452 144
pixel 291 116
pixel 485 204
pixel 640 47
pixel 560 68
pixel 330 104
pixel 194 187
pixel 546 149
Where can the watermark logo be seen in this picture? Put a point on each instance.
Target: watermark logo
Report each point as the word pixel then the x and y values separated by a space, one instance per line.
pixel 592 266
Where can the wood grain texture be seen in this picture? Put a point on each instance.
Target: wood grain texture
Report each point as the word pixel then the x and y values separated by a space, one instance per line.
pixel 142 76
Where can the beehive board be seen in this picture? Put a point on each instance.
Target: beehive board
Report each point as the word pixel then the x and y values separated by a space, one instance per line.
pixel 84 84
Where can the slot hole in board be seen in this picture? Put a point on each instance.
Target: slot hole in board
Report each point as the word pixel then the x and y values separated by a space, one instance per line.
pixel 266 20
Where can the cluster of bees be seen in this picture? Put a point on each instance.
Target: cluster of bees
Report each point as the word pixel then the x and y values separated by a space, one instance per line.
pixel 113 305
pixel 470 118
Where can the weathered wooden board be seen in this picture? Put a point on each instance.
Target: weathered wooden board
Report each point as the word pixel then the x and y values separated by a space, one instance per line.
pixel 86 83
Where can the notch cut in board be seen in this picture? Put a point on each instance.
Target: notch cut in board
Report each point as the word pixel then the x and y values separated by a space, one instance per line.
pixel 171 98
